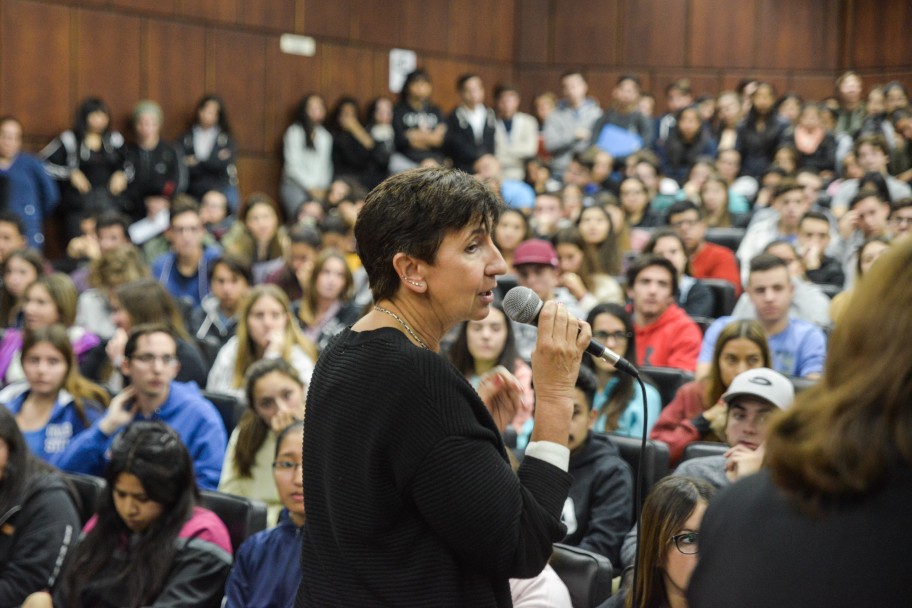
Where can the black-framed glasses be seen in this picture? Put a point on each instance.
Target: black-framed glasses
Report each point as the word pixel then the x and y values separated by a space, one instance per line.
pixel 687 543
pixel 617 336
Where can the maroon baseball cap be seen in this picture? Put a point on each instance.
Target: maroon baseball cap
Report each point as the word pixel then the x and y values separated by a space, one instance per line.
pixel 535 251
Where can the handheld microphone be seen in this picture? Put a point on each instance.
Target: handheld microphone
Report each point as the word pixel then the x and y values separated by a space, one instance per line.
pixel 523 306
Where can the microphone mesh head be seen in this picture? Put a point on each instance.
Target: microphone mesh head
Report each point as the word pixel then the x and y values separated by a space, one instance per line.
pixel 522 305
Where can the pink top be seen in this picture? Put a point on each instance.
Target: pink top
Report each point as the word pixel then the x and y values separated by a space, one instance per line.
pixel 203 524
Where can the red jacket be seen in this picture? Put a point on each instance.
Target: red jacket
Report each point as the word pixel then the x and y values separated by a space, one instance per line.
pixel 673 340
pixel 712 261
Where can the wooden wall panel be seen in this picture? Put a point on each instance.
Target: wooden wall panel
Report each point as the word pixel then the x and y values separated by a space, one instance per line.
pixel 533 36
pixel 274 14
pixel 176 54
pixel 258 174
pixel 653 32
pixel 240 78
pixel 482 29
pixel 162 7
pixel 329 18
pixel 424 25
pixel 881 34
pixel 721 34
pixel 212 10
pixel 811 87
pixel 114 76
pixel 36 85
pixel 346 71
pixel 803 40
pixel 289 78
pixel 377 21
pixel 585 32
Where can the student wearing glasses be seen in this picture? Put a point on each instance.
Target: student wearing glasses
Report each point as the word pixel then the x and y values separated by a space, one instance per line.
pixel 151 363
pixel 618 402
pixel 263 575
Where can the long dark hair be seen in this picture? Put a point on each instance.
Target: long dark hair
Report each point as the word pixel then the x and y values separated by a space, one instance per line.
pixel 223 123
pixel 21 466
pixel 666 510
pixel 153 453
pixel 301 118
pixel 612 409
pixel 252 430
pixel 90 105
pixel 147 301
pixel 463 360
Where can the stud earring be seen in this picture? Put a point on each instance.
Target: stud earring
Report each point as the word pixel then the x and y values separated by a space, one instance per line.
pixel 411 282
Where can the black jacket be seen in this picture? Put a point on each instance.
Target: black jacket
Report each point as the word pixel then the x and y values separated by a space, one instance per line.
pixel 217 172
pixel 35 536
pixel 460 143
pixel 601 498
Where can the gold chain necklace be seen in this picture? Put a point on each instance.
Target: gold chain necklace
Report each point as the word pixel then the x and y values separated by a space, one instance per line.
pixel 403 324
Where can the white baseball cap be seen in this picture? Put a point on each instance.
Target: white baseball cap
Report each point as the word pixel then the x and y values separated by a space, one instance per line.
pixel 763 383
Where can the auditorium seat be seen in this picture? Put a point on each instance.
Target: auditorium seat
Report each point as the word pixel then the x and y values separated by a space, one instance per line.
pixel 587 575
pixel 655 462
pixel 727 237
pixel 89 492
pixel 668 380
pixel 699 449
pixel 229 408
pixel 242 516
pixel 723 296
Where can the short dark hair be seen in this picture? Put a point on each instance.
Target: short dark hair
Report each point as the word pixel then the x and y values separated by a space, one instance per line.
pixel 183 204
pixel 642 262
pixel 631 77
pixel 234 264
pixel 411 213
pixel 305 234
pixel 900 204
pixel 145 329
pixel 872 139
pixel 573 73
pixel 109 218
pixel 787 185
pixel 588 384
pixel 865 194
pixel 464 78
pixel 10 217
pixel 814 215
pixel 766 261
pixel 681 207
pixel 504 87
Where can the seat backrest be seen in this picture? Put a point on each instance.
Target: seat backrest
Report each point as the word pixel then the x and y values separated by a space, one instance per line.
pixel 587 575
pixel 699 449
pixel 242 516
pixel 801 384
pixel 727 237
pixel 229 408
pixel 723 296
pixel 668 380
pixel 89 492
pixel 654 460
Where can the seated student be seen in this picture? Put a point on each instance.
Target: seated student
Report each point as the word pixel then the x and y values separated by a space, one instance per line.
pixel 618 402
pixel 275 399
pixel 813 241
pixel 798 347
pixel 327 308
pixel 266 330
pixel 696 410
pixel 184 268
pixel 751 400
pixel 151 363
pixel 671 521
pixel 599 510
pixel 215 321
pixel 149 544
pixel 216 214
pixel 48 300
pixel 113 269
pixel 865 219
pixel 694 297
pixel 901 218
pixel 707 260
pixel 53 403
pixel 483 346
pixel 20 270
pixel 267 570
pixel 112 230
pixel 258 236
pixel 40 522
pixel 868 253
pixel 665 335
pixel 12 234
pixel 304 244
pixel 140 302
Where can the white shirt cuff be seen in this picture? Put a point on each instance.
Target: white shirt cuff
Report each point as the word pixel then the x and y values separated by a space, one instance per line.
pixel 552 453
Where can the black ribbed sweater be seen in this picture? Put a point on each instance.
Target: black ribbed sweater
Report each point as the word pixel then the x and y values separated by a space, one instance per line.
pixel 410 498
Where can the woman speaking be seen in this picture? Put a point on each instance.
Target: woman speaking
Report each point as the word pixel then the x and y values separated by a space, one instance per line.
pixel 410 498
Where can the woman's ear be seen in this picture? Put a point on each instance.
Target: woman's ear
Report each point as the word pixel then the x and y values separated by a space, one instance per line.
pixel 410 272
